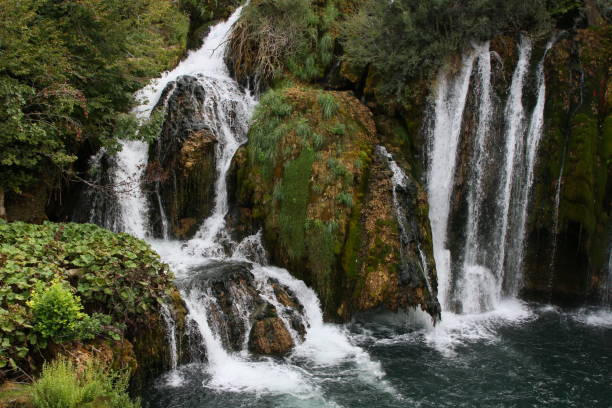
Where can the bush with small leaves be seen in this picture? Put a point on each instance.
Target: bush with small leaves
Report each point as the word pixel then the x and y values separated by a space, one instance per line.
pixel 56 311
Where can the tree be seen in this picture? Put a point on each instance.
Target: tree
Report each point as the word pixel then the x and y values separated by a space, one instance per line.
pixel 67 71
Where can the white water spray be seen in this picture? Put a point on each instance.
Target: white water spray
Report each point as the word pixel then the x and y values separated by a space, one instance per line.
pixel 451 96
pixel 515 126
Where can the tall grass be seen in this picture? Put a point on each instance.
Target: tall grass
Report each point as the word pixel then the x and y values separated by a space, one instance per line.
pixel 62 385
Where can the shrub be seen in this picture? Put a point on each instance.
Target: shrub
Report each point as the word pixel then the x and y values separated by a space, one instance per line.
pixel 278 37
pixel 57 312
pixel 407 40
pixel 61 385
pixel 345 199
pixel 329 106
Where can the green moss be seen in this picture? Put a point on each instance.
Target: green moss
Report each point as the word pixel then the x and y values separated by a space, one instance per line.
pixel 295 192
pixel 579 189
pixel 312 182
pixel 321 239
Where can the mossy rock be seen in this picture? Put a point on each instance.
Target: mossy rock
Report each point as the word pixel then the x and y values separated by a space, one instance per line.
pixel 312 179
pixel 577 143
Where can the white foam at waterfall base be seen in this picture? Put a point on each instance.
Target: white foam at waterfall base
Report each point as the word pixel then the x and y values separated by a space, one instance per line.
pixel 233 373
pixel 456 330
pixel 595 317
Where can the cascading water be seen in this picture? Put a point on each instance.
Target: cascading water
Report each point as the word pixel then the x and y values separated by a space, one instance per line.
pixel 479 283
pixel 515 127
pixel 475 291
pixel 525 178
pixel 229 364
pixel 451 95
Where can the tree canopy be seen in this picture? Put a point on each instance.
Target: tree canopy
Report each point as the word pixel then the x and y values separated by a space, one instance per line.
pixel 68 69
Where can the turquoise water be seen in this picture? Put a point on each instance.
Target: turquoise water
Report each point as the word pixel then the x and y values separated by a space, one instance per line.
pixel 519 356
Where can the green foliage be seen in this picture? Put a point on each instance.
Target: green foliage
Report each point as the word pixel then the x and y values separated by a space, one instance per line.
pixel 336 168
pixel 338 129
pixel 114 274
pixel 129 127
pixel 406 40
pixel 67 71
pixel 278 37
pixel 61 385
pixel 267 127
pixel 345 199
pixel 57 314
pixel 328 104
pixel 295 192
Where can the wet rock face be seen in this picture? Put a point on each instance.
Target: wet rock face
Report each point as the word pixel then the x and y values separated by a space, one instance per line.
pixel 397 249
pixel 575 162
pixel 269 335
pixel 244 313
pixel 181 171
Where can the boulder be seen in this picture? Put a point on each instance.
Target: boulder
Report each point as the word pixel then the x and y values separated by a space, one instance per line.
pixel 181 171
pixel 311 179
pixel 238 313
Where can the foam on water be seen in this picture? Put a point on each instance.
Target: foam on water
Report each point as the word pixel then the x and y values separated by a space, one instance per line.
pixel 597 317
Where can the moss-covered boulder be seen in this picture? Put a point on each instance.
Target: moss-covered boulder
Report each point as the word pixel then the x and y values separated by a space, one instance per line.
pixel 181 171
pixel 110 274
pixel 311 177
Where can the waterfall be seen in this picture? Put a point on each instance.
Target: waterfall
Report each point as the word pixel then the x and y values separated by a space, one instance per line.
pixel 228 110
pixel 130 163
pixel 229 366
pixel 555 237
pixel 515 126
pixel 533 137
pixel 498 185
pixel 479 289
pixel 451 96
